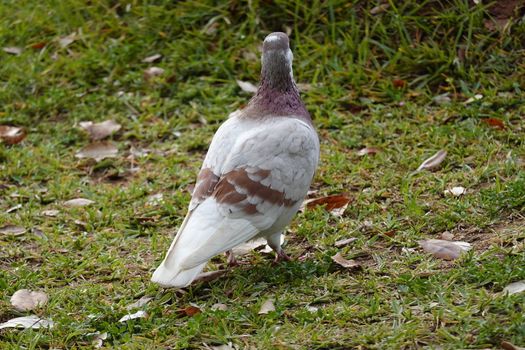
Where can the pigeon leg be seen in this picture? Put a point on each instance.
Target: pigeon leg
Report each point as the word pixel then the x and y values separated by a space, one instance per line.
pixel 274 241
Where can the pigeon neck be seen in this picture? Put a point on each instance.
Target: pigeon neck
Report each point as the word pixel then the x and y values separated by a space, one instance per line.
pixel 277 94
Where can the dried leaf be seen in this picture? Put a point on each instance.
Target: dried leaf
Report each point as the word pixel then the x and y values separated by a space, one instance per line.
pixel 209 276
pixel 344 242
pixel 11 134
pixel 138 314
pixel 153 72
pixel 152 58
pixel 12 230
pixel 13 50
pixel 399 83
pixel 25 322
pixel 433 161
pixel 312 309
pixel 476 97
pixel 494 122
pixel 247 86
pixel 139 303
pixel 367 150
pixel 514 288
pixel 12 209
pixel 505 345
pixel 97 339
pixel 65 41
pixel 379 9
pixel 155 199
pixel 78 202
pixel 349 264
pixel 267 307
pixel 27 300
pixel 334 204
pixel 98 131
pixel 98 151
pixel 456 191
pixel 219 306
pixel 39 45
pixel 447 250
pixel 50 213
pixel 191 311
pixel 442 99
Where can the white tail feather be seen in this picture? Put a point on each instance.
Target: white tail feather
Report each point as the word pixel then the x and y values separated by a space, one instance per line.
pixel 203 234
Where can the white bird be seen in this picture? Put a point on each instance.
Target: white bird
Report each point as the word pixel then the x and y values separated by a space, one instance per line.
pixel 255 176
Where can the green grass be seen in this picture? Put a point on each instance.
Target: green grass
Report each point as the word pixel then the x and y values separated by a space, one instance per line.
pixel 356 62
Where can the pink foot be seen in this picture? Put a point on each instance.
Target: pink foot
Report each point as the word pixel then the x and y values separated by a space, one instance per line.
pixel 281 256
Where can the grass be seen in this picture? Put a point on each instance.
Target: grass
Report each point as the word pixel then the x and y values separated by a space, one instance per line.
pixel 373 83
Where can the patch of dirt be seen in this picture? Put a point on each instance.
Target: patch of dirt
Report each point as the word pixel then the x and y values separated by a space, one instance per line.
pixel 504 234
pixel 504 9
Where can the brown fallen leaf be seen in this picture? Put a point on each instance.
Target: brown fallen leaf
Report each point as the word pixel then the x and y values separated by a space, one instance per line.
pixel 38 45
pixel 446 250
pixel 99 131
pixel 367 150
pixel 27 300
pixel 399 83
pixel 12 230
pixel 349 264
pixel 152 58
pixel 190 311
pixel 11 134
pixel 153 72
pixel 267 307
pixel 209 276
pixel 494 122
pixel 335 204
pixel 13 50
pixel 247 86
pixel 509 346
pixel 433 161
pixel 98 151
pixel 78 202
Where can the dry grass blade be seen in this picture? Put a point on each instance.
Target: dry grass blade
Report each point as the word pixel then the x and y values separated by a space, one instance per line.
pixel 447 250
pixel 434 161
pixel 152 58
pixel 11 134
pixel 99 131
pixel 344 242
pixel 98 151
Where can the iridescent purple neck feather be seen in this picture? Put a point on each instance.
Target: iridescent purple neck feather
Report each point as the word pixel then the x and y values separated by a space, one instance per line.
pixel 277 94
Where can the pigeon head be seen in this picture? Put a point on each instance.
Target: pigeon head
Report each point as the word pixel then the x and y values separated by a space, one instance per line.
pixel 277 94
pixel 277 62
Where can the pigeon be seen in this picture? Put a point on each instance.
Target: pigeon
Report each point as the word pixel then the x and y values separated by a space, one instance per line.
pixel 255 176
